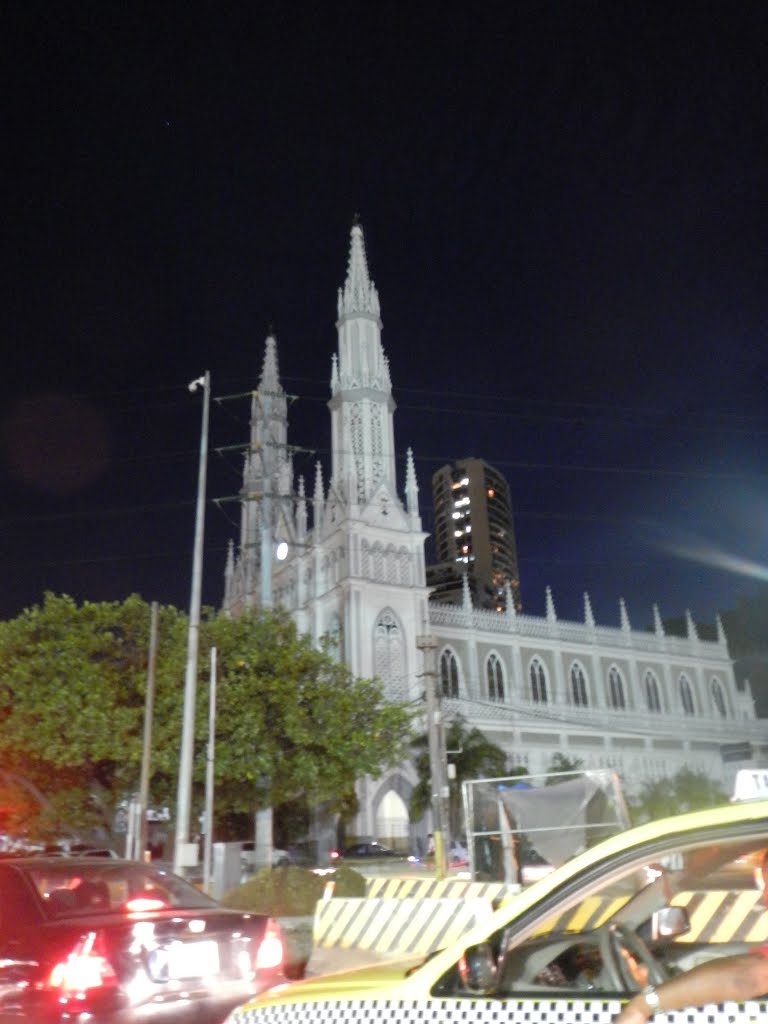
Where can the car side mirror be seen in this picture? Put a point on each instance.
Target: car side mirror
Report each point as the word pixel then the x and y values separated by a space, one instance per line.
pixel 668 923
pixel 477 970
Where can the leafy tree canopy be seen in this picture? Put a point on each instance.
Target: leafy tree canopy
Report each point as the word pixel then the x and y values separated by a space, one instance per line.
pixel 72 684
pixel 687 790
pixel 290 720
pixel 562 763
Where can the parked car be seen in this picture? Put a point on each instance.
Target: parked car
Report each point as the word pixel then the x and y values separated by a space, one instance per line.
pixel 301 854
pixel 368 852
pixel 634 909
pixel 280 858
pixel 117 942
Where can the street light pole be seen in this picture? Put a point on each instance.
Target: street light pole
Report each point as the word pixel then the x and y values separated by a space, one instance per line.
pixel 186 758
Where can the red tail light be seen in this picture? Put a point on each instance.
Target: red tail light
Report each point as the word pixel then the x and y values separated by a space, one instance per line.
pixel 271 951
pixel 84 969
pixel 143 904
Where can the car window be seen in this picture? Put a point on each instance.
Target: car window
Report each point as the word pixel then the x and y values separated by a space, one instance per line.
pixel 67 887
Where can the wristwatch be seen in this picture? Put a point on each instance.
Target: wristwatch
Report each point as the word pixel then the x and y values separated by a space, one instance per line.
pixel 651 997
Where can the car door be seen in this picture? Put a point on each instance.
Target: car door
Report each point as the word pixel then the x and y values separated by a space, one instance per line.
pixel 20 921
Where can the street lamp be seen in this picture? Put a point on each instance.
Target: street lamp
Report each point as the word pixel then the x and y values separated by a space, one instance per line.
pixel 186 758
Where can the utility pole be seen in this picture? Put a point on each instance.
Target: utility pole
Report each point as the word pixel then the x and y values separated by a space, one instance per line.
pixel 437 756
pixel 186 758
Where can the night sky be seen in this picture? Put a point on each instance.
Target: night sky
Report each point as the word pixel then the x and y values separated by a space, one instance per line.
pixel 566 216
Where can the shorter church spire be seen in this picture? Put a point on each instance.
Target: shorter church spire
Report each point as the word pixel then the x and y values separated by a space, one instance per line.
pixel 318 499
pixel 551 613
pixel 589 618
pixel 466 594
pixel 411 487
pixel 509 603
pixel 301 513
pixel 658 625
pixel 721 637
pixel 624 617
pixel 691 625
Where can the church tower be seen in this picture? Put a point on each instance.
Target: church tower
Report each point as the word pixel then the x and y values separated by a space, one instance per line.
pixel 374 583
pixel 356 573
pixel 266 494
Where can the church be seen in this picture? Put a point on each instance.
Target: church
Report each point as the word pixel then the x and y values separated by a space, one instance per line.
pixel 641 703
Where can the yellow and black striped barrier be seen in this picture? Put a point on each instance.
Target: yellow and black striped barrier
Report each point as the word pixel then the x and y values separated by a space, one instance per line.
pixel 419 916
pixel 395 926
pixel 434 889
pixel 717 915
pixel 724 916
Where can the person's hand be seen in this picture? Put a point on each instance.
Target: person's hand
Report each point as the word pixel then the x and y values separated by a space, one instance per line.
pixel 635 1012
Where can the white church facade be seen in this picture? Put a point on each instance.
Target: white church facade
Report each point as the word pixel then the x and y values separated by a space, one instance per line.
pixel 642 703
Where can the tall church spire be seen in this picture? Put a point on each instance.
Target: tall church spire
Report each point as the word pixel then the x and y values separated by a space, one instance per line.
pixel 363 444
pixel 359 293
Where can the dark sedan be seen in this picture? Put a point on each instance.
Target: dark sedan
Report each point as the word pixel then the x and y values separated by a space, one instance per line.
pixel 369 851
pixel 119 942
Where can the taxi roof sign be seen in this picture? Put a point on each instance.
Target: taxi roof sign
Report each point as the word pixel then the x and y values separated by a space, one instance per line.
pixel 750 784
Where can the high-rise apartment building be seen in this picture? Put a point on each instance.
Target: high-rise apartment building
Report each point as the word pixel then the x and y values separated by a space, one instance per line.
pixel 474 534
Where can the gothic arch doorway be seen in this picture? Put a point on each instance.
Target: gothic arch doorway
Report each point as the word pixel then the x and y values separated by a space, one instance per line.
pixel 391 822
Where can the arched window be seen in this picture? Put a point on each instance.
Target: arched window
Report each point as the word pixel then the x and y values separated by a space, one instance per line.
pixel 449 674
pixel 494 674
pixel 389 656
pixel 616 689
pixel 652 698
pixel 578 686
pixel 538 682
pixel 686 696
pixel 718 698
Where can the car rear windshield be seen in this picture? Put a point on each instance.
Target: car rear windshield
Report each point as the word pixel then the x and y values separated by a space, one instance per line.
pixel 68 887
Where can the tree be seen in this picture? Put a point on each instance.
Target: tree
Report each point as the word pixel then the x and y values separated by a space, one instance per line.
pixel 687 790
pixel 474 756
pixel 72 682
pixel 290 719
pixel 563 763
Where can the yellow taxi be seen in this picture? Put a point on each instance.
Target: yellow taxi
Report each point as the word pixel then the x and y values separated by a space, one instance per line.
pixel 631 911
